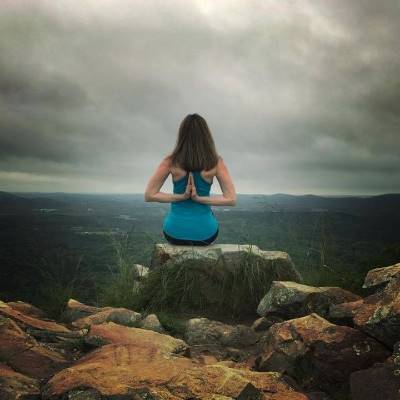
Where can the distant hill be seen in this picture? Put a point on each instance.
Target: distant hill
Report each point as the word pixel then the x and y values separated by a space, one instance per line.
pixel 388 204
pixel 12 203
pixel 385 203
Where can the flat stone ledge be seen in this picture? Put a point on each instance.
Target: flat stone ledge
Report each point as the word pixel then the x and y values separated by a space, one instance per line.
pixel 213 251
pixel 164 252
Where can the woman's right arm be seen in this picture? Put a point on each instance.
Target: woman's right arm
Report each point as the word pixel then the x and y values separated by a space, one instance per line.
pixel 228 197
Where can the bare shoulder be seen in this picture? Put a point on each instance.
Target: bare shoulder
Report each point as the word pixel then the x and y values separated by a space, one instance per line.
pixel 173 169
pixel 167 159
pixel 221 167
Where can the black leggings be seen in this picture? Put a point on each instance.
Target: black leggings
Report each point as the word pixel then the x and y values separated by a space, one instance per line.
pixel 191 242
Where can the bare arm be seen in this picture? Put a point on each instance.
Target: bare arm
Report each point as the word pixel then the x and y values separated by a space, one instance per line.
pixel 152 192
pixel 228 197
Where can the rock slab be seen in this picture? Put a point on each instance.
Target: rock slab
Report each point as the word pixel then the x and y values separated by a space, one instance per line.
pixel 230 254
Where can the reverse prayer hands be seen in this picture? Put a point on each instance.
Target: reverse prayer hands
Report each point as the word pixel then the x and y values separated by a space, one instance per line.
pixel 194 195
pixel 190 191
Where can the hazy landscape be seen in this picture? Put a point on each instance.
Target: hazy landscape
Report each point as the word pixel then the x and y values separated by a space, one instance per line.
pixel 73 239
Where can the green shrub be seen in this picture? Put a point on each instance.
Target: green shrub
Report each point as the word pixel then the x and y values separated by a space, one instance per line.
pixel 205 285
pixel 119 289
pixel 61 275
pixel 172 323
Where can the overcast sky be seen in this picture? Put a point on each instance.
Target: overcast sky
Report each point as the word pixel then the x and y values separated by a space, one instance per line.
pixel 300 96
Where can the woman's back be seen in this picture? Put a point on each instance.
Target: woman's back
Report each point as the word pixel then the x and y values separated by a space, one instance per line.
pixel 189 219
pixel 193 164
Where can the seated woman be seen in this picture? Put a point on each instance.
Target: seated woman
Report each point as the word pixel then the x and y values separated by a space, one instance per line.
pixel 192 164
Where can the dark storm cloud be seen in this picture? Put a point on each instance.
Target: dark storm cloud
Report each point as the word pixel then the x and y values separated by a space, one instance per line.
pixel 301 96
pixel 47 91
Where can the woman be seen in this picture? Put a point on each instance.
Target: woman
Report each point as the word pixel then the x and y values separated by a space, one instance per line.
pixel 193 164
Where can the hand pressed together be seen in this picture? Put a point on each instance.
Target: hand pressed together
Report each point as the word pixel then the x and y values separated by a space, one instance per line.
pixel 191 191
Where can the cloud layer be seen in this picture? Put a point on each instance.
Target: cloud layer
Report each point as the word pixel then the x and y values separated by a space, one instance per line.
pixel 301 96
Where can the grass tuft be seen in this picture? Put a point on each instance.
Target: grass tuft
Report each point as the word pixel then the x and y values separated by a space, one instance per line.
pixel 206 285
pixel 122 284
pixel 62 275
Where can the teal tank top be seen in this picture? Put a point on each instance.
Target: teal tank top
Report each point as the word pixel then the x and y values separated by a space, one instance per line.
pixel 188 219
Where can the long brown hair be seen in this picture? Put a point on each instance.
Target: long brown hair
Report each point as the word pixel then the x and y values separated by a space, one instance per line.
pixel 195 148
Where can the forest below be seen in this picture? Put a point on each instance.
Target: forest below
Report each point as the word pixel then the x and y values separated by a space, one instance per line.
pixel 71 243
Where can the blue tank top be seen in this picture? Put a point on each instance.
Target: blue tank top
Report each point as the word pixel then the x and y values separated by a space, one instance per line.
pixel 188 219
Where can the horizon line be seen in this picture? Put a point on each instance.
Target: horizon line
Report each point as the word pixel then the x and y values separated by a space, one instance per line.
pixel 241 194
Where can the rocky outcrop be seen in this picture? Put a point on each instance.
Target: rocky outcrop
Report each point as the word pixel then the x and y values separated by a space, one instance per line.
pixel 263 323
pixel 121 316
pixel 317 353
pixel 81 315
pixel 344 313
pixel 378 277
pixel 219 277
pixel 127 361
pixel 27 309
pixel 29 321
pixel 381 381
pixel 152 322
pixel 379 314
pixel 291 299
pixel 131 369
pixel 311 343
pixel 17 386
pixel 134 361
pixel 222 341
pixel 203 330
pixel 25 354
pixel 228 255
pixel 75 310
pixel 112 333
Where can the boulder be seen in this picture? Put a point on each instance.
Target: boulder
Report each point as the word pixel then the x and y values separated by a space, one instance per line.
pixel 291 299
pixel 344 313
pixel 263 323
pixel 318 354
pixel 119 315
pixel 379 313
pixel 228 254
pixel 27 309
pixel 146 369
pixel 17 386
pixel 379 277
pixel 381 381
pixel 206 331
pixel 209 338
pixel 152 322
pixel 25 355
pixel 111 333
pixel 224 278
pixel 76 310
pixel 28 321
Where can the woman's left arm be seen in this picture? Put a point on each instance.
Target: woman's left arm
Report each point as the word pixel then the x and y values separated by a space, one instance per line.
pixel 152 192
